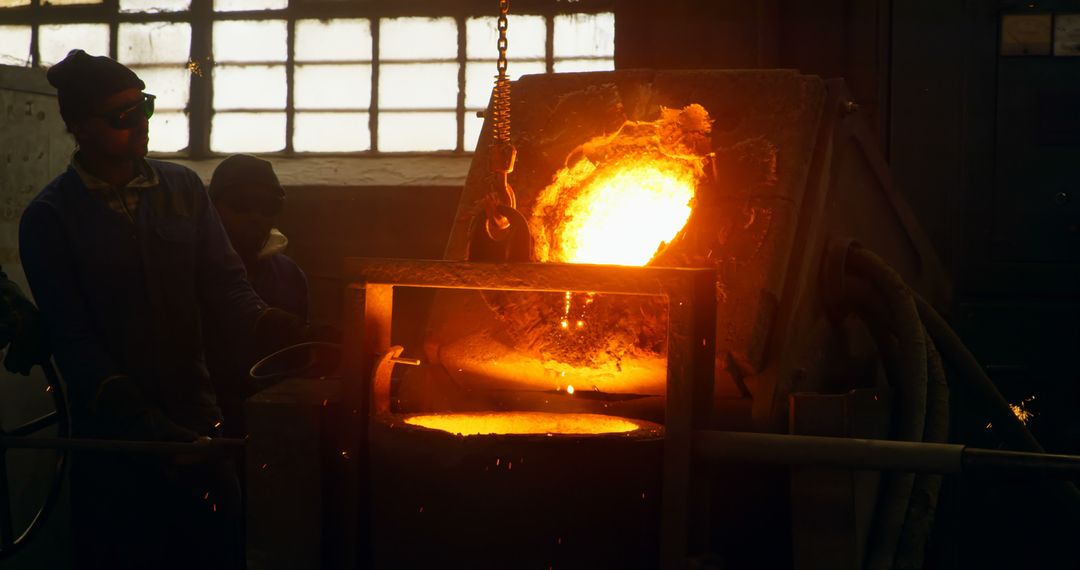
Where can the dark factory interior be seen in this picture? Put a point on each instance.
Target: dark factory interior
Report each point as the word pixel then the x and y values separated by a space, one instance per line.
pixel 552 284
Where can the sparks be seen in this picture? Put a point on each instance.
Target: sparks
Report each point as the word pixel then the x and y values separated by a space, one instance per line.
pixel 1021 411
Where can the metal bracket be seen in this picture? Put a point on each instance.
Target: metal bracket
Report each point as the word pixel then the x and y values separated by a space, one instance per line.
pixel 380 377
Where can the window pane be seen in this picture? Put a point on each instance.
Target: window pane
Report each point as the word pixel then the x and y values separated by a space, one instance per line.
pixel 15 45
pixel 579 35
pixel 525 37
pixel 249 87
pixel 418 86
pixel 332 86
pixel 247 132
pixel 168 132
pixel 13 3
pixel 170 84
pixel 331 132
pixel 333 40
pixel 159 42
pixel 480 78
pixel 234 5
pixel 56 40
pixel 154 5
pixel 249 41
pixel 573 65
pixel 403 132
pixel 473 125
pixel 417 38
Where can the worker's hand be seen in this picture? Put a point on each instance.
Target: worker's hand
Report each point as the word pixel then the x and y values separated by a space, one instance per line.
pixel 192 458
pixel 22 330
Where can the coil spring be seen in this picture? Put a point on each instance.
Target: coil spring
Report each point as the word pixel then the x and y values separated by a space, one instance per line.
pixel 500 108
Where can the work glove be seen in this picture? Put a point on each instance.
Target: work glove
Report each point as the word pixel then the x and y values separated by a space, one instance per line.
pixel 124 412
pixel 22 330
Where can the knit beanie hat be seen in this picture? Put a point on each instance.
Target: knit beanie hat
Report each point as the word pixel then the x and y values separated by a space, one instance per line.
pixel 243 169
pixel 83 81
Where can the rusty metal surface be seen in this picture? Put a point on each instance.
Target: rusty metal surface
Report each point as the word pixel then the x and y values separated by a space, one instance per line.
pixel 675 283
pixel 761 117
pixel 556 113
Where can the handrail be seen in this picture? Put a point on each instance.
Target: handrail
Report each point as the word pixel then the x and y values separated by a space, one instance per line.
pixel 712 446
pixel 210 447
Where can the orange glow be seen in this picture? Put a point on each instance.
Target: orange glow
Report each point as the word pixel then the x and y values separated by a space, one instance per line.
pixel 622 196
pixel 523 423
pixel 626 211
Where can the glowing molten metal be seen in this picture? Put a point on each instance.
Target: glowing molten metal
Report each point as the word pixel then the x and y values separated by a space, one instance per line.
pixel 627 212
pixel 622 197
pixel 522 423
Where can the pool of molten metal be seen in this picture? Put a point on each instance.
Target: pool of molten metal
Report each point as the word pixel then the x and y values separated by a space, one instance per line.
pixel 524 423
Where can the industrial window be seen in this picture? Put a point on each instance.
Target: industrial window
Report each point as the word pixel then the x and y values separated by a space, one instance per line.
pixel 313 76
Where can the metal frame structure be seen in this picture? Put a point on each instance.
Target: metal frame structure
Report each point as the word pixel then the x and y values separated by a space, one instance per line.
pixel 201 16
pixel 691 296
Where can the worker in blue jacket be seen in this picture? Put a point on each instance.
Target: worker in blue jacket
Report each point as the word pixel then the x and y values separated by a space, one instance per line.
pixel 249 199
pixel 127 258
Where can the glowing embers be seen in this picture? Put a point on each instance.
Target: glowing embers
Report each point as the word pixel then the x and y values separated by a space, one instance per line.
pixel 524 423
pixel 622 197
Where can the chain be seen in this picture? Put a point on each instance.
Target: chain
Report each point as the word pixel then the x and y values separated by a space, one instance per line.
pixel 502 151
pixel 501 95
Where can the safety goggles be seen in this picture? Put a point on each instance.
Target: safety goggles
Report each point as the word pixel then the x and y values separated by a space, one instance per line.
pixel 131 116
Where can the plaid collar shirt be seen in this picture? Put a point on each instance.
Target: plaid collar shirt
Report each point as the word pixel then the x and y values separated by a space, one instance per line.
pixel 122 199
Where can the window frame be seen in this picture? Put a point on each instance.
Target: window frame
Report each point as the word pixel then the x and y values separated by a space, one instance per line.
pixel 201 17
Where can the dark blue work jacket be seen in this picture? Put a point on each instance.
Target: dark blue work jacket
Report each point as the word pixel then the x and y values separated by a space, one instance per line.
pixel 131 298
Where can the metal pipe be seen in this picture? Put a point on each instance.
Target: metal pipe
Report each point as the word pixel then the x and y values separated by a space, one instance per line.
pixel 214 446
pixel 1049 465
pixel 848 453
pixel 875 454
